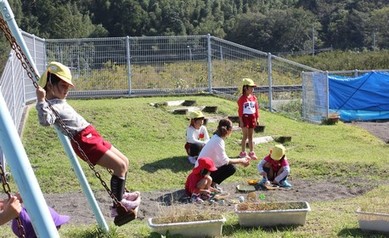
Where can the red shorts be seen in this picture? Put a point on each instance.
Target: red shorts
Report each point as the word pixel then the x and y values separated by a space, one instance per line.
pixel 91 143
pixel 249 120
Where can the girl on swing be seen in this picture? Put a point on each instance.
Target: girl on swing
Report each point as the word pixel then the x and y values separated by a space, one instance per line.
pixel 53 89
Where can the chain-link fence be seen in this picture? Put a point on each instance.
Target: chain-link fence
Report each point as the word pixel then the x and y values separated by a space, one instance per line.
pixel 163 65
pixel 175 65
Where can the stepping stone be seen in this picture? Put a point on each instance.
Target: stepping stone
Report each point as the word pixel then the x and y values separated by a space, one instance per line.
pixel 283 139
pixel 189 103
pixel 234 119
pixel 210 109
pixel 181 111
pixel 259 128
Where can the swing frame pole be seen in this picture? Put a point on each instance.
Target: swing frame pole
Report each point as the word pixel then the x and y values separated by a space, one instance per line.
pixel 83 181
pixel 24 175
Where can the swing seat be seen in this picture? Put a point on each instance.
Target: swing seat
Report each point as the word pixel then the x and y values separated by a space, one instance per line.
pixel 124 216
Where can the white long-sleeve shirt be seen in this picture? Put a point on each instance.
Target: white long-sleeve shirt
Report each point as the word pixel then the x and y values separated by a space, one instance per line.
pixel 73 121
pixel 197 136
pixel 215 149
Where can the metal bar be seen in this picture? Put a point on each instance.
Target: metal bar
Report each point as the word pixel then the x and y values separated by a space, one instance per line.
pixel 83 181
pixel 209 60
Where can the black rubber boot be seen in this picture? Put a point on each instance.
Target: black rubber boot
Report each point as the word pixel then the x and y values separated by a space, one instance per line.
pixel 117 187
pixel 124 216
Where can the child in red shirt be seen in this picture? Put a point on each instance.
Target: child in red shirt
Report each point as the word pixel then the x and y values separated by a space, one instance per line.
pixel 275 168
pixel 248 111
pixel 198 183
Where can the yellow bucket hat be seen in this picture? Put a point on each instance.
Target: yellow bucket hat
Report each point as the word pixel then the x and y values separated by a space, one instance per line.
pixel 58 69
pixel 277 152
pixel 248 82
pixel 196 115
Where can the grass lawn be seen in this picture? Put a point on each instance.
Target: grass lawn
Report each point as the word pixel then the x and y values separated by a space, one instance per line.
pixel 153 139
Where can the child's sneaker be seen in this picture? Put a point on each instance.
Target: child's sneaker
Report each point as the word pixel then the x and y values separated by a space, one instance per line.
pixel 196 199
pixel 263 182
pixel 131 196
pixel 217 187
pixel 205 196
pixel 131 204
pixel 192 159
pixel 285 184
pixel 243 154
pixel 252 155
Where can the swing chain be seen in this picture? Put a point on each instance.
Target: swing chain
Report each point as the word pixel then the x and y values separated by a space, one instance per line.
pixel 4 181
pixel 7 190
pixel 28 67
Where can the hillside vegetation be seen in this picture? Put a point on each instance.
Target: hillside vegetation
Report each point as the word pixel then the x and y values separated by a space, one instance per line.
pixel 346 60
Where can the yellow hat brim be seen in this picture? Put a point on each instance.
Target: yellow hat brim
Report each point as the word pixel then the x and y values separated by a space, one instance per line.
pixel 43 80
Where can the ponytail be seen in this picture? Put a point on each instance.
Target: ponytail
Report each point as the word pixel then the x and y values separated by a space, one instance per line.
pixel 224 126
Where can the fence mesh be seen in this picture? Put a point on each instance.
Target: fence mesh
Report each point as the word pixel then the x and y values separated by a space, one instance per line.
pixel 315 96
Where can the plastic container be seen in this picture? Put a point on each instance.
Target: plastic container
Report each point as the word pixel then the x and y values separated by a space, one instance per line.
pixel 273 217
pixel 207 228
pixel 372 221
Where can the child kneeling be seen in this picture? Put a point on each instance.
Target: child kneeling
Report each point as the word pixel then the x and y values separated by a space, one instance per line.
pixel 199 181
pixel 274 168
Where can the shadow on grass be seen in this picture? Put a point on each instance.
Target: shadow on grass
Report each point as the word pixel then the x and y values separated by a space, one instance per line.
pixel 356 232
pixel 175 164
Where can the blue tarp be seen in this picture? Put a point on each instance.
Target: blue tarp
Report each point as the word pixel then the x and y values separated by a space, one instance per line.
pixel 362 98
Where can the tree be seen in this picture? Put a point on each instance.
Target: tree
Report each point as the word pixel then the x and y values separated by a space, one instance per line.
pixel 56 19
pixel 378 28
pixel 279 30
pixel 346 29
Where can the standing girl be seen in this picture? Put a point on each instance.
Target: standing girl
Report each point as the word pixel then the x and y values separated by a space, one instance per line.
pixel 88 144
pixel 196 136
pixel 215 149
pixel 248 111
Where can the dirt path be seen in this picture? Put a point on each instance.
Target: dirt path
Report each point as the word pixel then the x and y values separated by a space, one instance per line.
pixel 76 205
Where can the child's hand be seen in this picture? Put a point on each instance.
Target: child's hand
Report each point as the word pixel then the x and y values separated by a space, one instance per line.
pixel 19 197
pixel 245 162
pixel 40 94
pixel 12 207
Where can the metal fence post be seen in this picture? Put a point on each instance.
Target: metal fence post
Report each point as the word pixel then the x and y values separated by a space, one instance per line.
pixel 328 96
pixel 269 76
pixel 209 60
pixel 128 56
